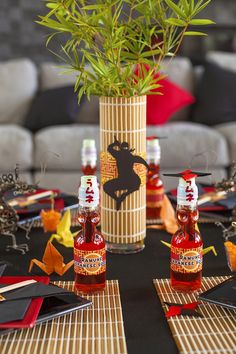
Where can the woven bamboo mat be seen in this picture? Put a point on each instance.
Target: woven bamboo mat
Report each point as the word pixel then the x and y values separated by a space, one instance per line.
pixel 215 332
pixel 97 329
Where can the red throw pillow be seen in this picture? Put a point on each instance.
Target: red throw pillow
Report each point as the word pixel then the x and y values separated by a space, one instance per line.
pixel 160 108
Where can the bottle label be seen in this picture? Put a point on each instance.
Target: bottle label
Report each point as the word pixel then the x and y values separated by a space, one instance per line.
pixel 186 260
pixel 90 262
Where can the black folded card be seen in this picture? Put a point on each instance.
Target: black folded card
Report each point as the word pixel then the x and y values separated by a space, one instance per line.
pixel 13 310
pixel 33 291
pixel 55 306
pixel 223 294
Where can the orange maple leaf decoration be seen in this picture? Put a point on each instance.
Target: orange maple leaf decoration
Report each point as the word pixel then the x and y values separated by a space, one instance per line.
pixel 52 261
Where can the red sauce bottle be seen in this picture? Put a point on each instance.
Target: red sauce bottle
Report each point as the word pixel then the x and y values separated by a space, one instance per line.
pixel 154 185
pixel 89 244
pixel 186 243
pixel 89 157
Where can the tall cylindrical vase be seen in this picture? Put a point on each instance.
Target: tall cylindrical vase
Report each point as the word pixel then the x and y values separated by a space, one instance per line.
pixel 123 128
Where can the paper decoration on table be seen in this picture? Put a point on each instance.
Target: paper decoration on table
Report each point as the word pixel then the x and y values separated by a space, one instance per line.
pixel 167 215
pixel 125 179
pixel 8 215
pixel 230 249
pixel 204 251
pixel 176 309
pixel 64 236
pixel 52 261
pixel 50 220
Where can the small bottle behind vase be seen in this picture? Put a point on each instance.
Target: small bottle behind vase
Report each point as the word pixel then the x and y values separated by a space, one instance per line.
pixel 89 157
pixel 154 185
pixel 89 244
pixel 186 243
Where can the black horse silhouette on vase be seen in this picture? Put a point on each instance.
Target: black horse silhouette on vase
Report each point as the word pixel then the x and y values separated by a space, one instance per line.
pixel 127 180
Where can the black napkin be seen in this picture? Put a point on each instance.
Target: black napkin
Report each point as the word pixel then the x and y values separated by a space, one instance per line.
pixel 33 291
pixel 13 310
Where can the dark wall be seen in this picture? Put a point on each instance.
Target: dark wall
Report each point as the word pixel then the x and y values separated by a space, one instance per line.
pixel 20 36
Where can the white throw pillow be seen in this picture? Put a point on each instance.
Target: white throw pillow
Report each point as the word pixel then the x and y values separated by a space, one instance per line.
pixel 53 75
pixel 18 85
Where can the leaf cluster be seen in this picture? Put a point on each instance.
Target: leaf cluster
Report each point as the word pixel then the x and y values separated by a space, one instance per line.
pixel 114 36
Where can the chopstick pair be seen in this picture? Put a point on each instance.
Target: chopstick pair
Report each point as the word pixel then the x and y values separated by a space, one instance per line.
pixel 14 287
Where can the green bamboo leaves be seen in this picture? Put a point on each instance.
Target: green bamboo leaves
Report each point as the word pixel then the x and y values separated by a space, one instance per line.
pixel 115 36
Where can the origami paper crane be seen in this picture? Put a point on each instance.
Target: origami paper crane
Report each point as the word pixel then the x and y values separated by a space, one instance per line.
pixel 64 235
pixel 167 215
pixel 52 261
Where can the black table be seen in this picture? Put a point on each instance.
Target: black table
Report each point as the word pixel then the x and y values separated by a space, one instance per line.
pixel 146 328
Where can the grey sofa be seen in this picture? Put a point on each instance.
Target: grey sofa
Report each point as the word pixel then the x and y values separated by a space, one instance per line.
pixel 52 156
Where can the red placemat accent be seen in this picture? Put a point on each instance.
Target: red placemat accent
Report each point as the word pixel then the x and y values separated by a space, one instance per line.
pixel 34 308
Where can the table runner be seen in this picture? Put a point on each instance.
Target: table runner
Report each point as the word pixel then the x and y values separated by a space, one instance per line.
pixel 97 329
pixel 213 333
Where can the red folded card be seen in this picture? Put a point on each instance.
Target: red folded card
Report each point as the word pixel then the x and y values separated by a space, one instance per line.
pixel 34 308
pixel 35 206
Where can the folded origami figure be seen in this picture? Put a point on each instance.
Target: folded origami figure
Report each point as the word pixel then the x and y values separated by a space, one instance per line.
pixel 182 309
pixel 64 235
pixel 167 215
pixel 52 261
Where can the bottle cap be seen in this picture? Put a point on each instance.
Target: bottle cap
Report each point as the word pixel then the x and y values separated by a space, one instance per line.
pixel 89 152
pixel 88 191
pixel 187 191
pixel 153 148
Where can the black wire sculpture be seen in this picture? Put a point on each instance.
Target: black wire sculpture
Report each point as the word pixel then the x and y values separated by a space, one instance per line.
pixel 228 186
pixel 8 215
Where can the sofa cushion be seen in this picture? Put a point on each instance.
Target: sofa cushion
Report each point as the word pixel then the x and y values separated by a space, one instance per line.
pixel 228 130
pixel 16 147
pixel 180 71
pixel 53 107
pixel 165 100
pixel 51 76
pixel 59 148
pixel 65 181
pixel 160 108
pixel 216 96
pixel 18 86
pixel 191 145
pixel 188 145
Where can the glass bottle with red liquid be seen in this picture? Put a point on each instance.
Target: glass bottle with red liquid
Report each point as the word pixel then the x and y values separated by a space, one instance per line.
pixel 89 157
pixel 89 244
pixel 186 243
pixel 154 185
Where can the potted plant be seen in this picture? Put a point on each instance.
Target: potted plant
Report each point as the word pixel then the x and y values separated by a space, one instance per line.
pixel 124 42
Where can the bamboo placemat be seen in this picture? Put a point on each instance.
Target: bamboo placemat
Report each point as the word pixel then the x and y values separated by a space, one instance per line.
pixel 215 332
pixel 97 329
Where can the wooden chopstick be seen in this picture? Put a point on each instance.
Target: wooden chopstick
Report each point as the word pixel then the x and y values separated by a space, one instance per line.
pixel 31 198
pixel 17 285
